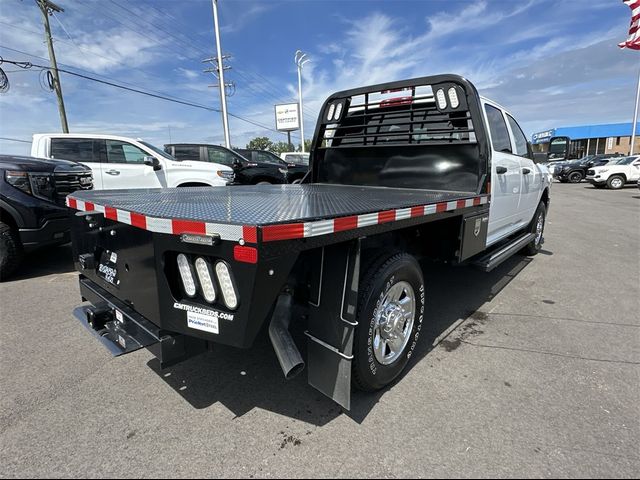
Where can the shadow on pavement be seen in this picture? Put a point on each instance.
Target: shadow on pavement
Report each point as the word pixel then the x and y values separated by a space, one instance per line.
pixel 242 380
pixel 45 261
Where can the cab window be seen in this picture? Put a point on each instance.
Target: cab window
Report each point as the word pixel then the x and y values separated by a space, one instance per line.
pixel 522 146
pixel 498 127
pixel 124 152
pixel 218 155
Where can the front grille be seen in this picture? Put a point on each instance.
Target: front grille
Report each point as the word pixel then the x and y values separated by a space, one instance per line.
pixel 591 172
pixel 66 183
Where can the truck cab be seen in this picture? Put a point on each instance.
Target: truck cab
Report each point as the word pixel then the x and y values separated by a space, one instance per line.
pixel 121 162
pixel 517 181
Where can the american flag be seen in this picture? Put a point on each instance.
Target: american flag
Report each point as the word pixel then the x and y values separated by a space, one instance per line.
pixel 633 41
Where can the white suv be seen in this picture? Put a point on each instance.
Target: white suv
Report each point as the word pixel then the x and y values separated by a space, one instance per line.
pixel 122 162
pixel 616 173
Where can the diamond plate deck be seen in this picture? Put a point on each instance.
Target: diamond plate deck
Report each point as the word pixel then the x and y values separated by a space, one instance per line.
pixel 265 204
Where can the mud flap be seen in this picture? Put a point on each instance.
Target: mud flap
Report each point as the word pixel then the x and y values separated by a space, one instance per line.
pixel 332 321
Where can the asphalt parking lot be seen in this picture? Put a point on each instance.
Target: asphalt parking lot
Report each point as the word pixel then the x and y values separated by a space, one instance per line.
pixel 535 372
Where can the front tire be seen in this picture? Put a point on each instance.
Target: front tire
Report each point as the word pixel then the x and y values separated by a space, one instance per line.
pixel 537 227
pixel 10 251
pixel 615 182
pixel 575 177
pixel 390 315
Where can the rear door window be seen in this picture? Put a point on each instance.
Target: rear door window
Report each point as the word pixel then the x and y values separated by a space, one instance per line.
pixel 498 127
pixel 74 149
pixel 522 146
pixel 187 152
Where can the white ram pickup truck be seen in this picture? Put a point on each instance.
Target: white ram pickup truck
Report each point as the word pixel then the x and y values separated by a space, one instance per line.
pixel 616 173
pixel 122 163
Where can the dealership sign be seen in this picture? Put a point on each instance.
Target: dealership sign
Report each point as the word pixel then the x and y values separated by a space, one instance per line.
pixel 543 137
pixel 287 117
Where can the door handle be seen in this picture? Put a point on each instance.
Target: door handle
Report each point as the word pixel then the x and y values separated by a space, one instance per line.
pixel 526 171
pixel 113 172
pixel 501 170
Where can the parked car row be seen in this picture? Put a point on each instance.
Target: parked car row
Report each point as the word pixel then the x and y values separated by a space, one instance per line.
pixel 33 189
pixel 603 170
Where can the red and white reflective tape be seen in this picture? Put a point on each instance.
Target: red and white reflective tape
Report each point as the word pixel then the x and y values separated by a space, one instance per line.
pixel 233 233
pixel 272 233
pixel 290 231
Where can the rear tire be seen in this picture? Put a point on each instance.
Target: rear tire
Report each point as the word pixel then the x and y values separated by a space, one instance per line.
pixel 537 227
pixel 10 251
pixel 390 314
pixel 615 182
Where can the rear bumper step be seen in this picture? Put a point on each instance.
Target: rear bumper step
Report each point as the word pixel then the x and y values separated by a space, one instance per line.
pixel 495 257
pixel 123 330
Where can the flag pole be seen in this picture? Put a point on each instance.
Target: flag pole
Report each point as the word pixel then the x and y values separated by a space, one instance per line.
pixel 635 118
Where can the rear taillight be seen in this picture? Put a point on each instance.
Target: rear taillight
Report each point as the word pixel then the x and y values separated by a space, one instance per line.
pixel 205 276
pixel 227 286
pixel 245 254
pixel 207 279
pixel 186 274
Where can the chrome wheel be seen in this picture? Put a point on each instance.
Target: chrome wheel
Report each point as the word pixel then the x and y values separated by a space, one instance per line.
pixel 394 323
pixel 616 182
pixel 539 228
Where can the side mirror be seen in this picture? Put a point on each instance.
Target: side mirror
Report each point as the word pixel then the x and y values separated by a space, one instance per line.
pixel 559 148
pixel 540 157
pixel 153 162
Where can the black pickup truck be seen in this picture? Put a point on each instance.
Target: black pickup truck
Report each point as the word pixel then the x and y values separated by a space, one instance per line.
pixel 257 170
pixel 420 168
pixel 32 204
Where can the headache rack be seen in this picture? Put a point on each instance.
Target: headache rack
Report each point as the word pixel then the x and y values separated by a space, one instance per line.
pixel 429 131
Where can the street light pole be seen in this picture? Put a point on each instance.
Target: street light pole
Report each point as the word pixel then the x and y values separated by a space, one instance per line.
pixel 635 120
pixel 300 59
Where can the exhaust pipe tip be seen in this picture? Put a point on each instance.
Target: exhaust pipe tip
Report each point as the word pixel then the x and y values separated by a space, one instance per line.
pixel 285 348
pixel 294 371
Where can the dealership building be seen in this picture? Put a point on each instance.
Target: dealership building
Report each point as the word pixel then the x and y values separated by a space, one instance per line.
pixel 591 139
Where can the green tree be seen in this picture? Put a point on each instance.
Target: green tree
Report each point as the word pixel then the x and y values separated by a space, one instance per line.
pixel 260 143
pixel 307 146
pixel 279 147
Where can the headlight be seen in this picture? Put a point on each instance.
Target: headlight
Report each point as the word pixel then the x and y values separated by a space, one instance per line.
pixel 38 184
pixel 226 174
pixel 20 180
pixel 42 185
pixel 226 285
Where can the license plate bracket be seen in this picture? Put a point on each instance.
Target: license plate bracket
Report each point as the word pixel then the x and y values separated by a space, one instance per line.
pixel 107 268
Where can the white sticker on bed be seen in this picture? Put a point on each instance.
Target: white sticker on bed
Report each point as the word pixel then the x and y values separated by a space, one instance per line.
pixel 206 323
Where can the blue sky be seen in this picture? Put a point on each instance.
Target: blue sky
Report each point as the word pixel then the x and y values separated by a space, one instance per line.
pixel 550 62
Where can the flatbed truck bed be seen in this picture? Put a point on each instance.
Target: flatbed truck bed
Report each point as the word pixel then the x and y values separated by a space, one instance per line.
pixel 265 213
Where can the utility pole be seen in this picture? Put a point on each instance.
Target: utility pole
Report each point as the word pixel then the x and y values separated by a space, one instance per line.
pixel 47 7
pixel 301 59
pixel 220 68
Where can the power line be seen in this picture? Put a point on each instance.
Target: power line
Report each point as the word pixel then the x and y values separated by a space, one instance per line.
pixel 15 140
pixel 142 92
pixel 254 84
